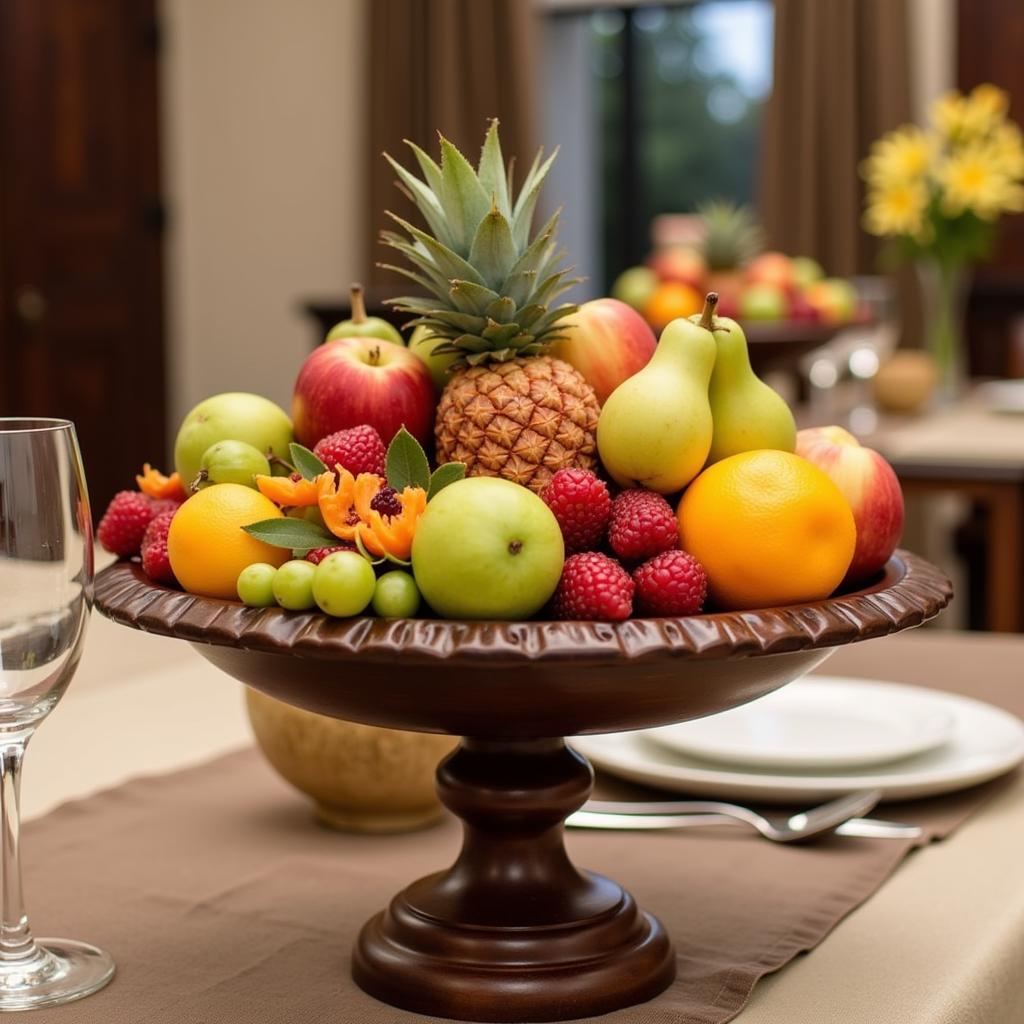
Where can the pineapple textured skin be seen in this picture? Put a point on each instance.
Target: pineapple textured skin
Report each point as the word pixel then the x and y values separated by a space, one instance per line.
pixel 523 420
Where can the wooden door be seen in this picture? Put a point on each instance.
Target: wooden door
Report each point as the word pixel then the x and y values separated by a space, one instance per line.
pixel 80 228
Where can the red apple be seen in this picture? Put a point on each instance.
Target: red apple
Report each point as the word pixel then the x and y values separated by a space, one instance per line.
pixel 772 268
pixel 350 381
pixel 679 263
pixel 869 485
pixel 608 342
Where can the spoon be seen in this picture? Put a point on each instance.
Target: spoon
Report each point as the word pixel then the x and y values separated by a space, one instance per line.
pixel 799 827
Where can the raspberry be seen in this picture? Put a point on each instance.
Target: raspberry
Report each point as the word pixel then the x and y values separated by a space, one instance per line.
pixel 317 555
pixel 359 450
pixel 642 525
pixel 386 502
pixel 672 583
pixel 155 562
pixel 124 523
pixel 581 505
pixel 593 586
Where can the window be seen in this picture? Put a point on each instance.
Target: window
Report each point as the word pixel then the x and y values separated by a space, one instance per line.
pixel 673 95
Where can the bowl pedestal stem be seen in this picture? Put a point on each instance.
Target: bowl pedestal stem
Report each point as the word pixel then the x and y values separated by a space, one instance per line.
pixel 513 931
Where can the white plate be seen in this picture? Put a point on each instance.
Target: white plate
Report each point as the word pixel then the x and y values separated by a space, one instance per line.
pixel 986 742
pixel 1005 396
pixel 819 722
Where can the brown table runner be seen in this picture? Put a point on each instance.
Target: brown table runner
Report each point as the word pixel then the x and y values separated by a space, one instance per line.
pixel 222 902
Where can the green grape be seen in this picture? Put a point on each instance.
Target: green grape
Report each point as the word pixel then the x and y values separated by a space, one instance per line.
pixel 256 585
pixel 396 596
pixel 293 585
pixel 231 462
pixel 343 584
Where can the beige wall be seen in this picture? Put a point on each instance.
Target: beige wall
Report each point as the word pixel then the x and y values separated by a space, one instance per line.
pixel 262 134
pixel 932 52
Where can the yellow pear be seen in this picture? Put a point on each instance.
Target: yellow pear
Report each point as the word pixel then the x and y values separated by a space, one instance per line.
pixel 655 429
pixel 747 413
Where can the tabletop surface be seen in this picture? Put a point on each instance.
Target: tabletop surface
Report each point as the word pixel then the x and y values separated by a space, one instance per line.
pixel 941 942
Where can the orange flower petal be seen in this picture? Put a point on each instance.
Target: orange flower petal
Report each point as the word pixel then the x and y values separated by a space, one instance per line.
pixel 154 484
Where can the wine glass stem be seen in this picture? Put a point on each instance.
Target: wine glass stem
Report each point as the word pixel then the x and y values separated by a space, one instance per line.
pixel 16 942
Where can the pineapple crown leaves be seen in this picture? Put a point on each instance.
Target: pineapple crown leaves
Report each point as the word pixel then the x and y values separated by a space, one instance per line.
pixel 490 283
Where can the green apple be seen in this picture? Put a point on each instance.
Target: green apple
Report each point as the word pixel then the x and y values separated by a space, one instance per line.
pixel 762 302
pixel 422 345
pixel 806 271
pixel 635 286
pixel 232 416
pixel 487 548
pixel 359 325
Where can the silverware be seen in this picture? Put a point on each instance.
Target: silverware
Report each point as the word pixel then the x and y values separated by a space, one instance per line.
pixel 835 816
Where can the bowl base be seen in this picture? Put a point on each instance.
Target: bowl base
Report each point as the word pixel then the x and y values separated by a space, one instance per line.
pixel 575 969
pixel 513 931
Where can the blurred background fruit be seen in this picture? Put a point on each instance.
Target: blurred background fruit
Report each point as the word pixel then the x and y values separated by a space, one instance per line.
pixel 669 301
pixel 905 381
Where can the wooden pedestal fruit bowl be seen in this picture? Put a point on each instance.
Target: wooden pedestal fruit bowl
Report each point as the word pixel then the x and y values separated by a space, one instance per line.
pixel 513 931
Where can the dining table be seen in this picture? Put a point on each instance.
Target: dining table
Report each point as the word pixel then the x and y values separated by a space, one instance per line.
pixel 941 941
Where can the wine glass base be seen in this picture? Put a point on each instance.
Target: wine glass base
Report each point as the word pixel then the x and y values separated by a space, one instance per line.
pixel 60 971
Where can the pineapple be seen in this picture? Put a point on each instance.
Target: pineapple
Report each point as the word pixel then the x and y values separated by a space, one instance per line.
pixel 508 409
pixel 732 235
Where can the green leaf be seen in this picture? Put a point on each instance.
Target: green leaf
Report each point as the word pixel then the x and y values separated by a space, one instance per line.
pixel 463 197
pixel 497 334
pixel 431 172
pixel 306 462
pixel 407 465
pixel 492 170
pixel 470 297
pixel 427 203
pixel 522 216
pixel 289 533
pixel 438 257
pixel 443 476
pixel 493 253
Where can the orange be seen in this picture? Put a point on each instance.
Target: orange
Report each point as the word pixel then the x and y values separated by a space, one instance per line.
pixel 769 527
pixel 671 300
pixel 207 546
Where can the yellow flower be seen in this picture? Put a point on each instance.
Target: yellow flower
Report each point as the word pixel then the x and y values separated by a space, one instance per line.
pixel 1006 149
pixel 899 156
pixel 897 208
pixel 972 180
pixel 961 118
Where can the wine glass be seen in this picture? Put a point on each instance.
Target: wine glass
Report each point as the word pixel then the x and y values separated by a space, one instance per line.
pixel 46 579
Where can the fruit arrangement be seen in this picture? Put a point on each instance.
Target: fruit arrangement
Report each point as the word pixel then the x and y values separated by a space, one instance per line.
pixel 521 457
pixel 757 286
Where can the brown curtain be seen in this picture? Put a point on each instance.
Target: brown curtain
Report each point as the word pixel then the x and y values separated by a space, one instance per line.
pixel 444 66
pixel 841 79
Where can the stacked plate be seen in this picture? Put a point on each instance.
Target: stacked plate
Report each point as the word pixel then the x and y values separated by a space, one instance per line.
pixel 821 737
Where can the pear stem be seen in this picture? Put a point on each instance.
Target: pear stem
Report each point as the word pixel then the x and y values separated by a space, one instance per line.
pixel 707 318
pixel 358 304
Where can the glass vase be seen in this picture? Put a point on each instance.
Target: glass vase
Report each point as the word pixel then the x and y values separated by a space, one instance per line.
pixel 944 286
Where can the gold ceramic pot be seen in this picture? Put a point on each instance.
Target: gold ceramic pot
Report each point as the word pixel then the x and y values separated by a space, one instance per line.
pixel 361 778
